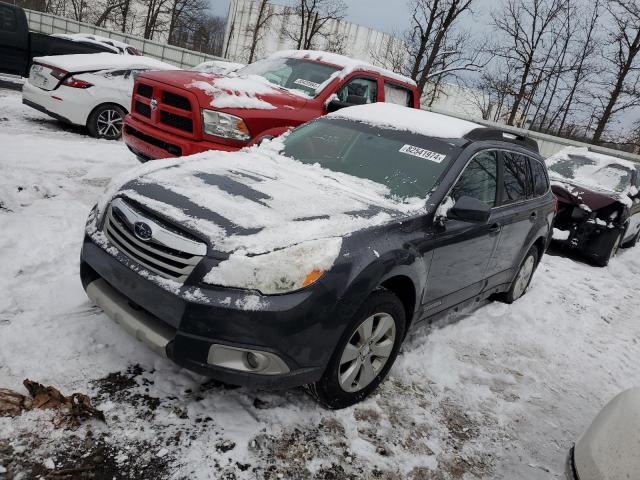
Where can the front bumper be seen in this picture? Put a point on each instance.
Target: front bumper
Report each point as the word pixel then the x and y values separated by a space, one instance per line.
pixel 301 328
pixel 589 238
pixel 151 143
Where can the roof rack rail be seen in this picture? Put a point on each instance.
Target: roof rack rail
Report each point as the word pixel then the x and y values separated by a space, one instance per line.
pixel 488 133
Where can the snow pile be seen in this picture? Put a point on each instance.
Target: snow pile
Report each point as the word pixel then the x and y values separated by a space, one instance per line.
pixel 279 271
pixel 413 120
pixel 237 92
pixel 103 61
pixel 598 172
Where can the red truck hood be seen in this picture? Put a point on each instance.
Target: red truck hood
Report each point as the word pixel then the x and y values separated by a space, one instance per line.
pixel 231 93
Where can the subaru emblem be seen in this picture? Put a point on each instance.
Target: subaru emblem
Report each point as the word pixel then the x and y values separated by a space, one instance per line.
pixel 153 104
pixel 142 231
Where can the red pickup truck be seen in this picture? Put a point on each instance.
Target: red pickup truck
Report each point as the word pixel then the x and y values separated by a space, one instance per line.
pixel 177 113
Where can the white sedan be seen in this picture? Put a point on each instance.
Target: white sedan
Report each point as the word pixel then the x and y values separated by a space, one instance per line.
pixel 92 90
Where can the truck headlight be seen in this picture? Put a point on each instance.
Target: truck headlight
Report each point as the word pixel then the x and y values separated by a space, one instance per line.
pixel 224 125
pixel 280 271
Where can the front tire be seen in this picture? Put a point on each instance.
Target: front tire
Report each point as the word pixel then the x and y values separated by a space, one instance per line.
pixel 106 121
pixel 523 277
pixel 365 353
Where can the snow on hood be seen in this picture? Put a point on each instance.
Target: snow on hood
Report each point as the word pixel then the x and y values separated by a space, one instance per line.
pixel 421 122
pixel 583 186
pixel 86 62
pixel 257 200
pixel 237 92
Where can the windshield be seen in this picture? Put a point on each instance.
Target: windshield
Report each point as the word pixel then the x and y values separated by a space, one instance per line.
pixel 611 177
pixel 408 164
pixel 291 73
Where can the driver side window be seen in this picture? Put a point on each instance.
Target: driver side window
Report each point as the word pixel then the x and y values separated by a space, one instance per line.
pixel 359 91
pixel 479 179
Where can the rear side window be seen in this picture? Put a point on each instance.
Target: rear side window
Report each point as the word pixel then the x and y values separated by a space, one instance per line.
pixel 479 179
pixel 540 182
pixel 8 20
pixel 516 178
pixel 398 95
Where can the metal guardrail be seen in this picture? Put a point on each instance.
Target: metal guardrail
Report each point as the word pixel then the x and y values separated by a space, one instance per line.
pixel 180 57
pixel 548 144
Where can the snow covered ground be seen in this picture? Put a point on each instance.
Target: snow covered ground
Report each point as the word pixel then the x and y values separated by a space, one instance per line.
pixel 502 393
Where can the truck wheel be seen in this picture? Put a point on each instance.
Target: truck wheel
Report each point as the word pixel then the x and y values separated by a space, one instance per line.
pixel 615 246
pixel 106 121
pixel 364 354
pixel 523 277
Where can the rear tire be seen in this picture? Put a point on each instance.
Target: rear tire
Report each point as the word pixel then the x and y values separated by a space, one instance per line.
pixel 365 353
pixel 632 243
pixel 523 278
pixel 106 121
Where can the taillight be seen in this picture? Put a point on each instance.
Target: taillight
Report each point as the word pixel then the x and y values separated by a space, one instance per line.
pixel 76 83
pixel 58 73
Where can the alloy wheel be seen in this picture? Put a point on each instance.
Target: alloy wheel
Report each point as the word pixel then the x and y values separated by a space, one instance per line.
pixel 109 123
pixel 524 276
pixel 367 352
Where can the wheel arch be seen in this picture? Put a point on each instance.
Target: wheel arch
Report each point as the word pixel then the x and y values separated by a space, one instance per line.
pixel 403 287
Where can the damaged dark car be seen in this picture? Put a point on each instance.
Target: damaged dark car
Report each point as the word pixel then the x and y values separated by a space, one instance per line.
pixel 598 203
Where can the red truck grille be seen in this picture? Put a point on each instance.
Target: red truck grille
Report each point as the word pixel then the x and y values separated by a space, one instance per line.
pixel 166 107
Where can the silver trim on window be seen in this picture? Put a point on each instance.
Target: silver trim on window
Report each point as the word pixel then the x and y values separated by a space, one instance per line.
pixel 164 253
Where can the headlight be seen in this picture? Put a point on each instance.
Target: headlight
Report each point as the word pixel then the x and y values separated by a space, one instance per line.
pixel 224 125
pixel 280 271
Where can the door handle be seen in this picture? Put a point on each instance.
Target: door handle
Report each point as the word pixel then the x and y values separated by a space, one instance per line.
pixel 495 229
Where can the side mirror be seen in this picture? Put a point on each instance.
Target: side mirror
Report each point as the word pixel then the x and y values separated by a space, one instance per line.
pixel 352 100
pixel 469 209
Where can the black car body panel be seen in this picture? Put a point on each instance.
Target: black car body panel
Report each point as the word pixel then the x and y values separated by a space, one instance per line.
pixel 433 265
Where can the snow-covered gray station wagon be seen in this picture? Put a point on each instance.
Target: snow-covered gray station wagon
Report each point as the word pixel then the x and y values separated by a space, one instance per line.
pixel 305 261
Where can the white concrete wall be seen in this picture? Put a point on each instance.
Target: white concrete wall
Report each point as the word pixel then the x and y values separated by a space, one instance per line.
pixel 358 41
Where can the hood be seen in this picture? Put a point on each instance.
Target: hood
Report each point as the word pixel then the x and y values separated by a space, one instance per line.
pixel 232 92
pixel 576 194
pixel 257 200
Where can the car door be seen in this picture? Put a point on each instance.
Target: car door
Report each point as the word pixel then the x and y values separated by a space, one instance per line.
pixel 462 250
pixel 514 214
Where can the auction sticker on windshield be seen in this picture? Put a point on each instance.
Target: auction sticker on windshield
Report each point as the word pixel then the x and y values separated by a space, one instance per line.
pixel 422 153
pixel 306 83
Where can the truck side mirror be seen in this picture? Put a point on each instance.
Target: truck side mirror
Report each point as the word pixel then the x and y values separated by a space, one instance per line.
pixel 352 100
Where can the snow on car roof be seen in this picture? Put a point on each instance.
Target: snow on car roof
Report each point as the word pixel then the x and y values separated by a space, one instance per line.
pixel 348 64
pixel 397 117
pixel 102 61
pixel 600 159
pixel 90 38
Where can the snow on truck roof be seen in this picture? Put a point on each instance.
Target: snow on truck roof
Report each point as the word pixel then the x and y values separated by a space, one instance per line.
pixel 422 122
pixel 102 61
pixel 348 64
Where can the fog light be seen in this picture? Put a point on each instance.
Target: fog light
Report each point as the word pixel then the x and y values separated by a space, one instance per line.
pixel 244 359
pixel 253 361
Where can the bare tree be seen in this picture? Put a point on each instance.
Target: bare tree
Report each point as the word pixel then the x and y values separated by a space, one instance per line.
pixel 525 25
pixel 265 13
pixel 623 86
pixel 155 17
pixel 314 18
pixel 186 16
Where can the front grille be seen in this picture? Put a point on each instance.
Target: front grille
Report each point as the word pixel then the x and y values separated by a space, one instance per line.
pixel 145 90
pixel 176 121
pixel 177 101
pixel 160 259
pixel 143 109
pixel 169 147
